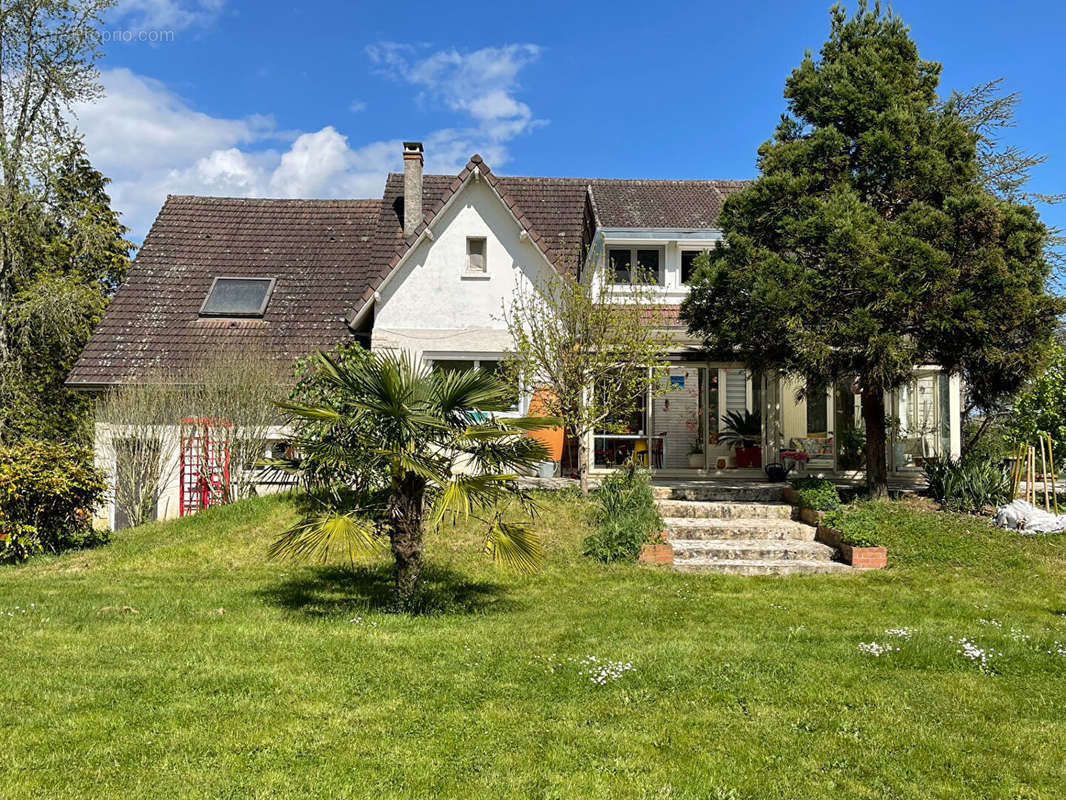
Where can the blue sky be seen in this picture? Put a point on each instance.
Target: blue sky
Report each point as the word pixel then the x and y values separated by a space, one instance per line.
pixel 313 99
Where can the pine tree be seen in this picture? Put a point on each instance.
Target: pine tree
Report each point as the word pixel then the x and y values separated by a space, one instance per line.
pixel 868 243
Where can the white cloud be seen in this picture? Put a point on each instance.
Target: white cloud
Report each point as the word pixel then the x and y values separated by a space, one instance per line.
pixel 151 142
pixel 480 83
pixel 171 15
pixel 357 106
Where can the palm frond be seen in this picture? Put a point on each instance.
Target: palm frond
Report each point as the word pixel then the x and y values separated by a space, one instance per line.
pixel 515 545
pixel 477 388
pixel 532 423
pixel 463 494
pixel 317 536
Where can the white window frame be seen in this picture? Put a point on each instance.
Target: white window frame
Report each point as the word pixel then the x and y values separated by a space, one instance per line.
pixel 468 270
pixel 433 358
pixel 633 248
pixel 681 261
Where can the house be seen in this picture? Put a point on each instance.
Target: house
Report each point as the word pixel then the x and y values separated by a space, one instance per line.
pixel 429 267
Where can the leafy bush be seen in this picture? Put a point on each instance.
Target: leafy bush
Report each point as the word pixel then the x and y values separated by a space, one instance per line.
pixel 967 484
pixel 858 527
pixel 47 496
pixel 627 517
pixel 816 493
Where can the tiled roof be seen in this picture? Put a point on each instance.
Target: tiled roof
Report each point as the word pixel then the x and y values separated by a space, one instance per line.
pixel 660 204
pixel 318 250
pixel 329 256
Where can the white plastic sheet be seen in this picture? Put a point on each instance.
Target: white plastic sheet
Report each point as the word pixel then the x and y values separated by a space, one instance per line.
pixel 1024 517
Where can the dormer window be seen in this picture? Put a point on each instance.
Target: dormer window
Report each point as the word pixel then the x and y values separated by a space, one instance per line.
pixel 476 263
pixel 237 297
pixel 636 264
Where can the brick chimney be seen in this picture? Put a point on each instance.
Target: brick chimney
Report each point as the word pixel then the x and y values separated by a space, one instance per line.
pixel 412 186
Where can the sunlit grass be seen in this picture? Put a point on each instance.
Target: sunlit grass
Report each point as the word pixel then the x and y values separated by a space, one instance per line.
pixel 180 662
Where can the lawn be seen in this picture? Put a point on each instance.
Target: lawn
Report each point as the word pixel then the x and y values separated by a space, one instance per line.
pixel 179 662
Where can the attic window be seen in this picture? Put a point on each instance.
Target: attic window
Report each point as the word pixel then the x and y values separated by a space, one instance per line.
pixel 237 297
pixel 475 255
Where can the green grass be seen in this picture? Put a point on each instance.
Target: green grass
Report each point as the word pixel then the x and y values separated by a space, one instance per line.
pixel 179 662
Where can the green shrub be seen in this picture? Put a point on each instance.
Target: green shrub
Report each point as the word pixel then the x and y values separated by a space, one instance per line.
pixel 858 525
pixel 626 518
pixel 816 493
pixel 967 484
pixel 47 496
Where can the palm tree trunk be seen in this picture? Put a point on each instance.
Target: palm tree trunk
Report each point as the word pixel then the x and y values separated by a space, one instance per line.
pixel 873 415
pixel 406 536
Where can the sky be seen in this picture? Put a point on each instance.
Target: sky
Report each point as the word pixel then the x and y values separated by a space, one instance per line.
pixel 313 99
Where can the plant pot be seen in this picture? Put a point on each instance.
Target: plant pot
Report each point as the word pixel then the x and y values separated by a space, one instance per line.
pixel 810 516
pixel 776 473
pixel 749 457
pixel 695 461
pixel 858 557
pixel 657 554
pixel 790 495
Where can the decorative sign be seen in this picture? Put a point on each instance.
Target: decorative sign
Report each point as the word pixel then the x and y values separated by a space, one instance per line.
pixel 677 382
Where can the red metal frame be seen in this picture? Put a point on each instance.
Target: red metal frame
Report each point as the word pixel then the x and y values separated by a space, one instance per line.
pixel 204 464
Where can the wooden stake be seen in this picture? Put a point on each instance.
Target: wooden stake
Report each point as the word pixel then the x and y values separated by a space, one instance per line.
pixel 1016 471
pixel 1043 471
pixel 1030 488
pixel 1054 488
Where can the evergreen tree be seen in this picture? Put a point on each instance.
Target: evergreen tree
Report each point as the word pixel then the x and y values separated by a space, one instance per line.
pixel 868 243
pixel 68 253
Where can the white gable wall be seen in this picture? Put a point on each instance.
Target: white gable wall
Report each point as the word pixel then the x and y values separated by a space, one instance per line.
pixel 432 307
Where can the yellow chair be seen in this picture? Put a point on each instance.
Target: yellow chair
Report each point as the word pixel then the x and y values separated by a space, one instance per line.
pixel 640 452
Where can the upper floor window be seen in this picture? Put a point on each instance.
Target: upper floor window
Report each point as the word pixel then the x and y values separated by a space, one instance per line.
pixel 636 264
pixel 688 264
pixel 237 297
pixel 476 261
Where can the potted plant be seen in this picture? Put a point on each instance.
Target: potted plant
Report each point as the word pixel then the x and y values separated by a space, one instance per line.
pixel 742 430
pixel 695 455
pixel 657 550
pixel 857 539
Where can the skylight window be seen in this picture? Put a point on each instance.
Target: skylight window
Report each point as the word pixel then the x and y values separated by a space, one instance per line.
pixel 237 297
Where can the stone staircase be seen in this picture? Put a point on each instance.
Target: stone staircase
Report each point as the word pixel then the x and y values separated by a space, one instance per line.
pixel 743 529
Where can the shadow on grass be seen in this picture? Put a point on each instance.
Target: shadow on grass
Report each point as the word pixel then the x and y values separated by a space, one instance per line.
pixel 332 591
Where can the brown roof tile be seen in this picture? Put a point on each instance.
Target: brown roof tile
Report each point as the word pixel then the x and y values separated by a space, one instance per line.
pixel 318 250
pixel 329 256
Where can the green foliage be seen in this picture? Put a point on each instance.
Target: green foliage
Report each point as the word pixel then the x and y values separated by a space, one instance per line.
pixel 344 675
pixel 969 484
pixel 318 466
pixel 858 527
pixel 626 516
pixel 868 243
pixel 66 252
pixel 47 495
pixel 819 494
pixel 741 428
pixel 390 445
pixel 569 339
pixel 986 438
pixel 1041 408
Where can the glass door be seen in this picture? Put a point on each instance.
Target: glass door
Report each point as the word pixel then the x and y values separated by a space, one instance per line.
pixel 678 428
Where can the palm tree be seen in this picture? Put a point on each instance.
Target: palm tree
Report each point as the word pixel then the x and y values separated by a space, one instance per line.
pixel 394 445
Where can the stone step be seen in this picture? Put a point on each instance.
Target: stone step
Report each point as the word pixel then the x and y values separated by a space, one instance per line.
pixel 744 567
pixel 721 510
pixel 681 528
pixel 702 550
pixel 722 492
